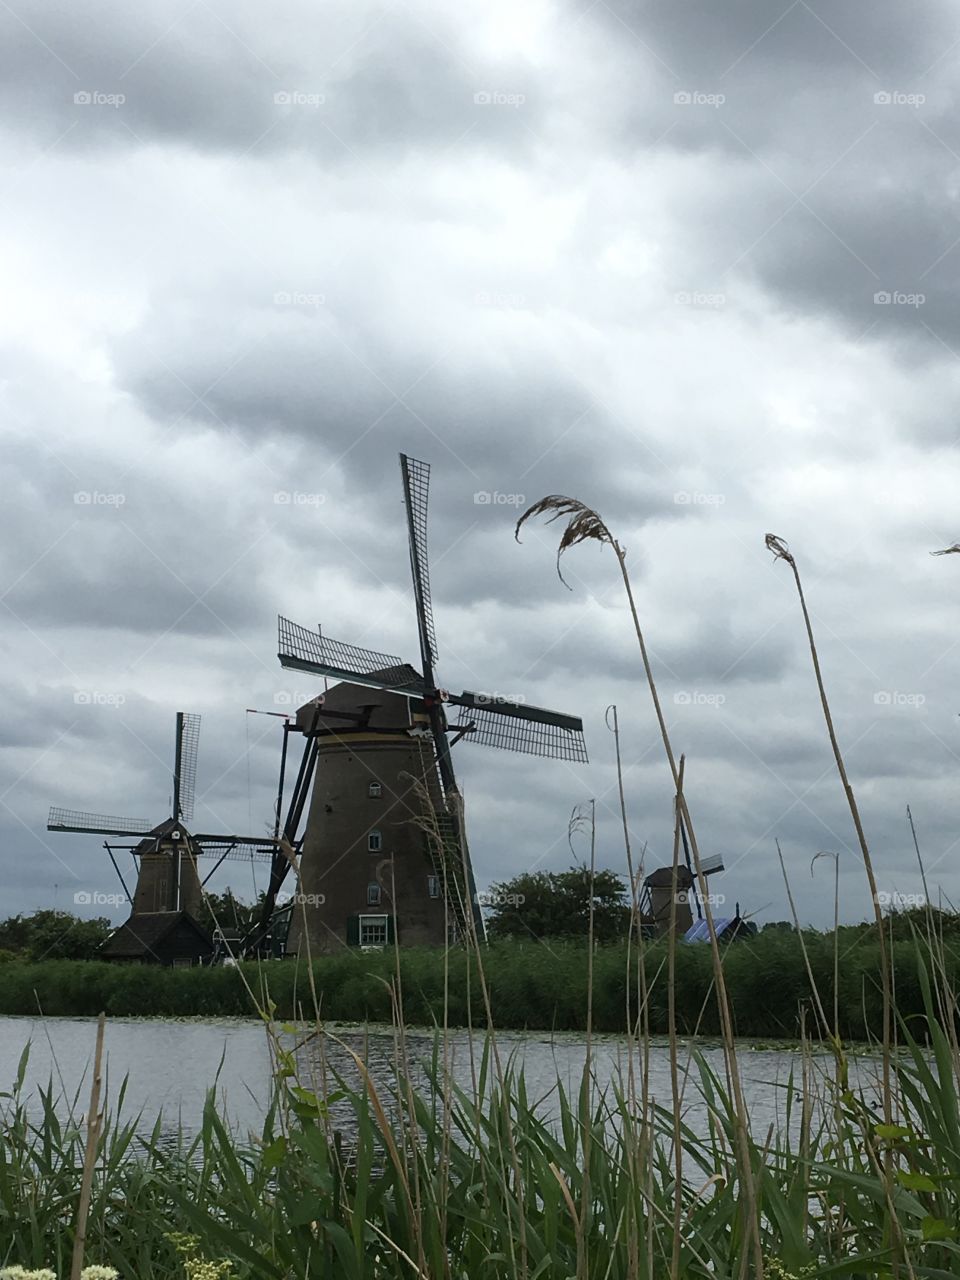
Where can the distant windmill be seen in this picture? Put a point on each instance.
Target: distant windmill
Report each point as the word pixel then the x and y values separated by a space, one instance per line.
pixel 168 880
pixel 367 745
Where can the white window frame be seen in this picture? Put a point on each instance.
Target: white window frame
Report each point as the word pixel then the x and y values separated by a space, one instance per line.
pixel 373 894
pixel 373 922
pixel 433 886
pixel 375 841
pixel 374 790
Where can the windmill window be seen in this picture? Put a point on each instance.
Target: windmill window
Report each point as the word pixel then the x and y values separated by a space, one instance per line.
pixel 373 895
pixel 433 886
pixel 374 841
pixel 374 790
pixel 373 931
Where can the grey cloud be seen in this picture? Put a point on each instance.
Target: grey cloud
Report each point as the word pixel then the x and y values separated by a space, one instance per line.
pixel 339 85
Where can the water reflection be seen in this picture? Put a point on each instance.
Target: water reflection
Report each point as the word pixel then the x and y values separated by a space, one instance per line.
pixel 170 1065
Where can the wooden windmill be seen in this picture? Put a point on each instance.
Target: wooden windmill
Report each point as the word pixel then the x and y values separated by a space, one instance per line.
pixel 365 855
pixel 168 895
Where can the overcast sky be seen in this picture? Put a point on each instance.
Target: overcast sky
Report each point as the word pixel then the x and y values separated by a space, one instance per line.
pixel 695 264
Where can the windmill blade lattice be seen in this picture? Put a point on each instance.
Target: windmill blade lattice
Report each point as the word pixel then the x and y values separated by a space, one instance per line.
pixel 189 742
pixel 236 848
pixel 98 824
pixel 495 726
pixel 304 650
pixel 416 492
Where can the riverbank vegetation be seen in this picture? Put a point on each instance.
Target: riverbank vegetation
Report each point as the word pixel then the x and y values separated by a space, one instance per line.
pixel 491 1182
pixel 771 980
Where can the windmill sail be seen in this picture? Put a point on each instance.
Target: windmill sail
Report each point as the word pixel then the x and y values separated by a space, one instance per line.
pixel 98 824
pixel 416 491
pixel 185 781
pixel 515 726
pixel 301 649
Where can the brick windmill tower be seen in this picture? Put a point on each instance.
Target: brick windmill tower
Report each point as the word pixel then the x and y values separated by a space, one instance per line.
pixel 384 853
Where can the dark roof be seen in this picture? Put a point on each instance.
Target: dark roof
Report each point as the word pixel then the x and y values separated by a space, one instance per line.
pixel 145 931
pixel 149 842
pixel 662 878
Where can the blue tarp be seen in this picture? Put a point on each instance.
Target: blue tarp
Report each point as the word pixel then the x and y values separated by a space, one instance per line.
pixel 700 932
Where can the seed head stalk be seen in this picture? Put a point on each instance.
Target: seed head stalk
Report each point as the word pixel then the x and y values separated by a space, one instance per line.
pixel 583 525
pixel 782 552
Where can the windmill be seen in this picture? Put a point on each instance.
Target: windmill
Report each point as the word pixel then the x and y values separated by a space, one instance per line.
pixel 168 880
pixel 407 705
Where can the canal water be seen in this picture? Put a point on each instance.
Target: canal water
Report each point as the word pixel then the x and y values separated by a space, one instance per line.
pixel 169 1066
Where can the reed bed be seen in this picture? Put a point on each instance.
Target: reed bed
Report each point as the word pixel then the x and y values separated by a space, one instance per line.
pixel 537 986
pixel 417 1183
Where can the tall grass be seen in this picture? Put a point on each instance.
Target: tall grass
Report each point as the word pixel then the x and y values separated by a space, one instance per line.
pixel 411 1187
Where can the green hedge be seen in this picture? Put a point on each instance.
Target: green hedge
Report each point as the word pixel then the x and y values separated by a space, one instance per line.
pixel 536 985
